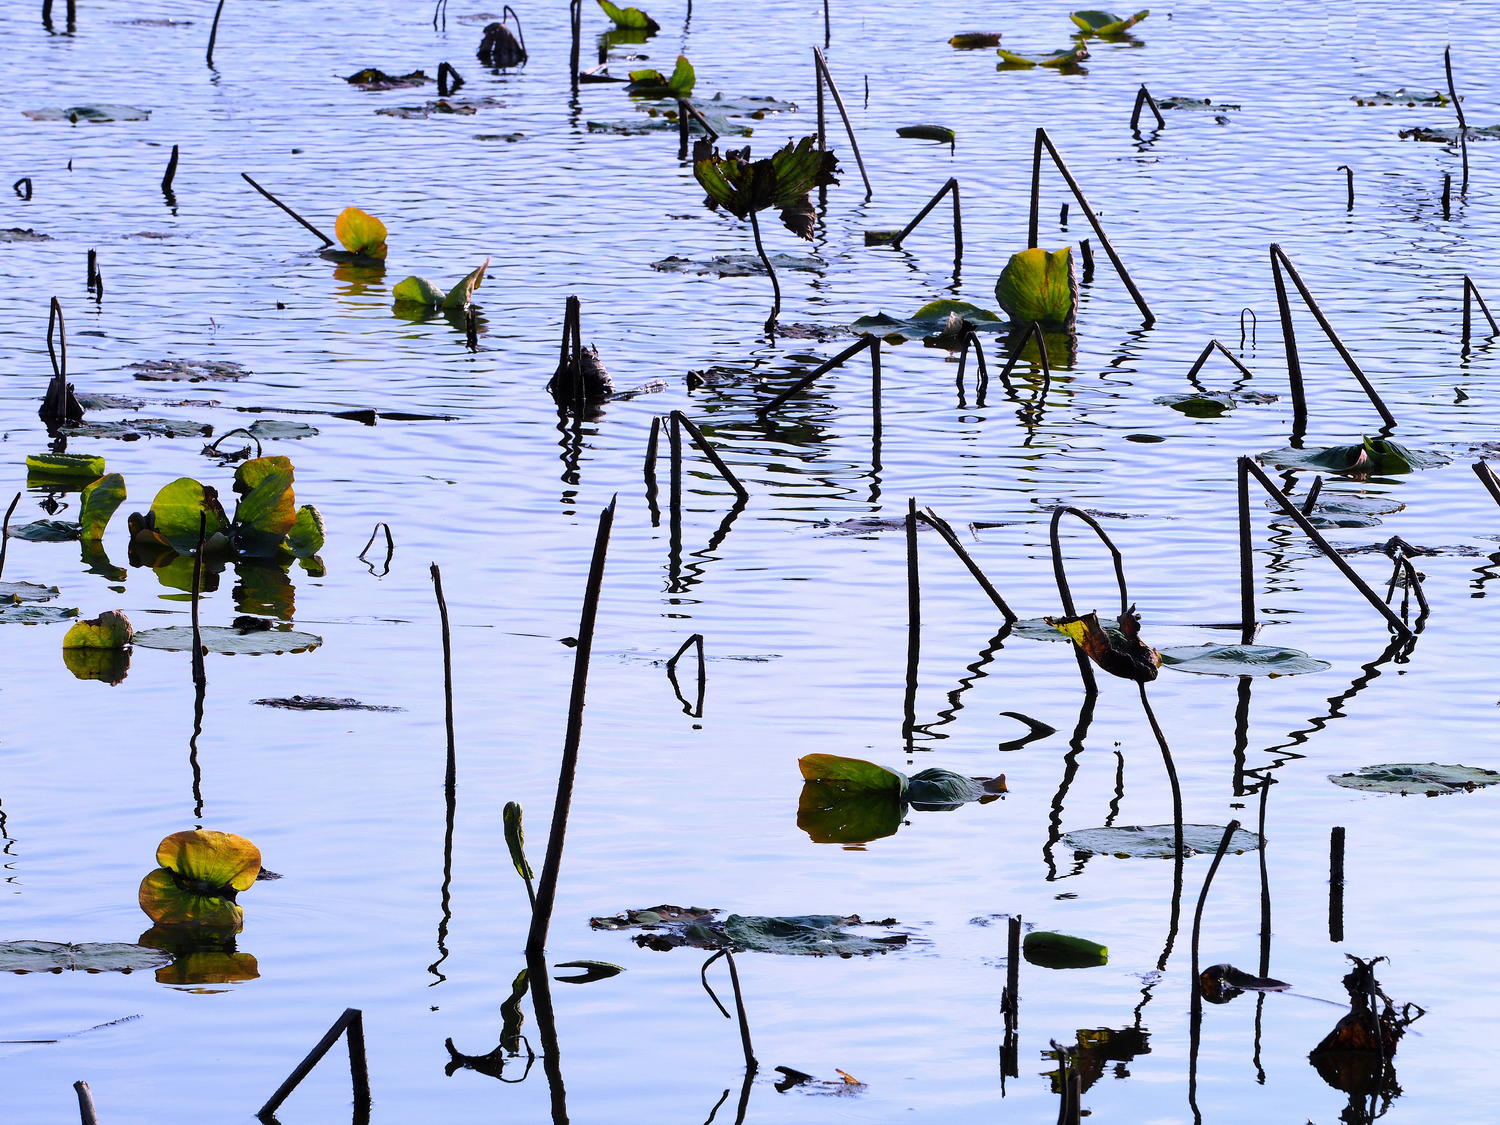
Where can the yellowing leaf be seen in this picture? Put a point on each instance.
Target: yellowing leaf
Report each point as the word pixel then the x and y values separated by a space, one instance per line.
pixel 1120 651
pixel 65 465
pixel 360 233
pixel 307 535
pixel 175 512
pixel 417 291
pixel 268 505
pixel 458 297
pixel 851 772
pixel 167 904
pixel 1106 23
pixel 215 859
pixel 1039 287
pixel 98 503
pixel 110 630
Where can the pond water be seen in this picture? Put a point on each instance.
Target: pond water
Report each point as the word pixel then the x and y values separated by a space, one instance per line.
pixel 805 629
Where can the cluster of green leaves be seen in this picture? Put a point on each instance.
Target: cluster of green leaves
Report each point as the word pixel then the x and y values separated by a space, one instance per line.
pixel 653 84
pixel 1105 24
pixel 266 524
pixel 423 293
pixel 743 186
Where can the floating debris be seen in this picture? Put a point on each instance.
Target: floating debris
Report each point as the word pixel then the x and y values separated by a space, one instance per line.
pixel 90 956
pixel 188 370
pixel 372 79
pixel 95 114
pixel 737 265
pixel 16 234
pixel 322 703
pixel 1417 777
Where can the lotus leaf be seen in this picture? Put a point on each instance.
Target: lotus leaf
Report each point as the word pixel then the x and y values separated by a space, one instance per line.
pixel 1120 652
pixel 322 703
pixel 741 186
pixel 459 296
pixel 1210 405
pixel 1157 841
pixel 190 370
pixel 65 465
pixel 110 630
pixel 927 133
pixel 652 84
pixel 1041 287
pixel 515 839
pixel 34 614
pixel 268 507
pixel 372 78
pixel 596 970
pixel 98 503
pixel 1106 23
pixel 274 429
pixel 95 114
pixel 940 787
pixel 47 531
pixel 1402 96
pixel 229 641
pixel 808 935
pixel 1204 105
pixel 17 592
pixel 90 956
pixel 1063 59
pixel 836 813
pixel 1038 629
pixel 736 265
pixel 168 904
pixel 1372 457
pixel 968 40
pixel 1063 951
pixel 360 233
pixel 17 234
pixel 308 534
pixel 851 773
pixel 1334 510
pixel 631 19
pixel 417 291
pixel 1417 777
pixel 136 428
pixel 1241 660
pixel 108 665
pixel 176 509
pixel 935 316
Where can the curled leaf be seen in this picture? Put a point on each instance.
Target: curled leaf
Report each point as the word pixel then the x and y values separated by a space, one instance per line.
pixel 174 514
pixel 98 503
pixel 1066 59
pixel 214 859
pixel 851 773
pixel 1106 23
pixel 1041 287
pixel 1120 651
pixel 631 19
pixel 515 839
pixel 168 904
pixel 458 297
pixel 110 630
pixel 308 534
pixel 360 233
pixel 65 465
pixel 417 291
pixel 927 133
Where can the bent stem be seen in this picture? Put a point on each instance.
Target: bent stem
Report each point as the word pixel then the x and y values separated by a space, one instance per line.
pixel 775 285
pixel 1166 757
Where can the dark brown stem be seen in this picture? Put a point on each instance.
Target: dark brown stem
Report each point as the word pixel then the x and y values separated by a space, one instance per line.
pixel 944 529
pixel 712 454
pixel 649 469
pixel 1349 177
pixel 848 127
pixel 1336 885
pixel 865 341
pixel 171 173
pixel 1060 572
pixel 199 673
pixel 760 249
pixel 958 230
pixel 86 1110
pixel 326 240
pixel 213 34
pixel 913 624
pixel 5 531
pixel 352 1022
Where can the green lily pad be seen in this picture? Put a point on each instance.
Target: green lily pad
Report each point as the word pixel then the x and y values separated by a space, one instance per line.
pixel 34 614
pixel 1417 777
pixel 139 427
pixel 1037 286
pixel 595 970
pixel 931 318
pixel 95 114
pixel 968 40
pixel 1106 23
pixel 1372 457
pixel 227 640
pixel 90 956
pixel 47 531
pixel 807 935
pixel 1063 59
pixel 736 265
pixel 1157 841
pixel 1402 96
pixel 927 133
pixel 1063 951
pixel 1210 405
pixel 1333 510
pixel 17 592
pixel 274 429
pixel 1240 660
pixel 83 465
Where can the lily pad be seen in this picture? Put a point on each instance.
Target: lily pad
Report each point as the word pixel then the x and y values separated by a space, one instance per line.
pixel 1200 105
pixel 1037 286
pixel 1156 841
pixel 594 970
pixel 1062 59
pixel 940 788
pixel 1334 510
pixel 274 429
pixel 83 465
pixel 1402 96
pixel 90 956
pixel 1038 629
pixel 322 703
pixel 931 318
pixel 968 40
pixel 1240 660
pixel 227 640
pixel 189 370
pixel 736 265
pixel 1450 136
pixel 1106 23
pixel 91 113
pixel 17 592
pixel 939 133
pixel 136 428
pixel 807 935
pixel 16 234
pixel 372 78
pixel 34 614
pixel 47 531
pixel 1417 777
pixel 461 107
pixel 1210 405
pixel 1372 457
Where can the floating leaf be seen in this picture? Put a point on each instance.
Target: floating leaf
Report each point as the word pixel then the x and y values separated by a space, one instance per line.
pixel 1063 59
pixel 631 19
pixel 98 503
pixel 90 956
pixel 227 640
pixel 1208 405
pixel 322 703
pixel 16 234
pixel 175 513
pixel 1240 660
pixel 461 107
pixel 188 370
pixel 927 133
pixel 274 429
pixel 1041 287
pixel 851 773
pixel 1335 510
pixel 736 265
pixel 968 40
pixel 95 114
pixel 360 233
pixel 942 788
pixel 135 428
pixel 267 510
pixel 515 839
pixel 169 904
pixel 47 531
pixel 1038 629
pixel 65 465
pixel 1372 457
pixel 209 966
pixel 833 813
pixel 110 630
pixel 458 297
pixel 308 534
pixel 652 84
pixel 34 614
pixel 1417 777
pixel 1120 652
pixel 1106 23
pixel 1204 105
pixel 15 592
pixel 417 291
pixel 1402 96
pixel 808 935
pixel 373 79
pixel 597 970
pixel 215 859
pixel 933 317
pixel 1156 841
pixel 1063 951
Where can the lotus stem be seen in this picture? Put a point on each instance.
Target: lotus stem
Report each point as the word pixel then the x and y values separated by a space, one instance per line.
pixel 649 470
pixel 1059 571
pixel 694 711
pixel 827 26
pixel 326 240
pixel 942 527
pixel 848 128
pixel 1481 469
pixel 94 264
pixel 213 34
pixel 507 14
pixel 86 1111
pixel 352 1023
pixel 1447 195
pixel 913 624
pixel 170 175
pixel 1312 496
pixel 1229 831
pixel 98 286
pixel 1248 623
pixel 711 453
pixel 1463 127
pixel 1289 345
pixel 5 531
pixel 199 673
pixel 536 940
pixel 770 325
pixel 1349 174
pixel 1335 885
pixel 1087 251
pixel 1033 231
pixel 958 230
pixel 865 341
pixel 1143 99
pixel 1177 844
pixel 575 14
pixel 1013 974
pixel 674 502
pixel 981 385
pixel 1208 350
pixel 24 181
pixel 390 549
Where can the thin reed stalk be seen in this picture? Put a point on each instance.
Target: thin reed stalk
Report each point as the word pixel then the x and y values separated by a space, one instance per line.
pixel 351 1024
pixel 945 530
pixel 326 240
pixel 865 341
pixel 649 470
pixel 958 228
pixel 213 35
pixel 1458 107
pixel 1349 178
pixel 838 100
pixel 5 531
pixel 711 453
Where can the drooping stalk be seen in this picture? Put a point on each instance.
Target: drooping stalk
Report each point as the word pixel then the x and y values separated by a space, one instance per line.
pixel 775 285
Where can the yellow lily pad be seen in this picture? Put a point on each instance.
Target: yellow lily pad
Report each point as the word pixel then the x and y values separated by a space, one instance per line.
pixel 217 859
pixel 110 630
pixel 360 233
pixel 167 904
pixel 1040 287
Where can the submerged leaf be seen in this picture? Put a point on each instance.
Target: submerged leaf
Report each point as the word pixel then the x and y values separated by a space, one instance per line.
pixel 360 233
pixel 231 642
pixel 1207 405
pixel 13 593
pixel 942 788
pixel 1120 652
pixel 98 503
pixel 34 614
pixel 632 19
pixel 47 531
pixel 1041 287
pixel 94 114
pixel 277 429
pixel 1157 841
pixel 90 956
pixel 1106 23
pixel 1417 777
pixel 216 859
pixel 1402 96
pixel 933 317
pixel 808 935
pixel 1240 660
pixel 110 630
